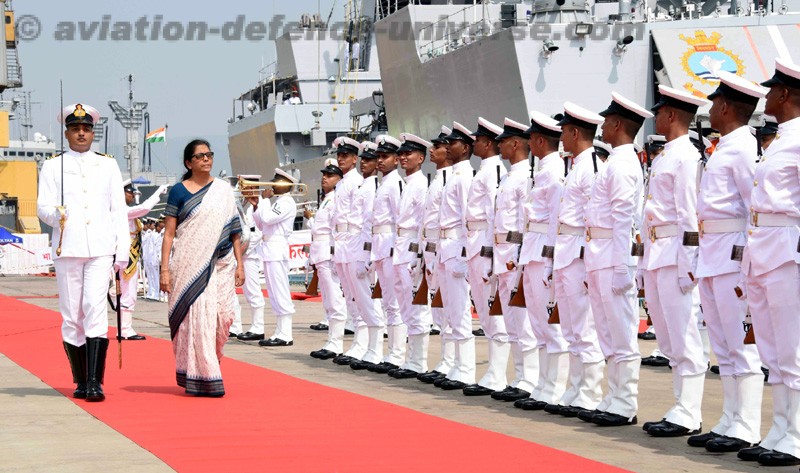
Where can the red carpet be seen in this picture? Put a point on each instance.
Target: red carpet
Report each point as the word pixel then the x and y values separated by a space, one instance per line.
pixel 267 420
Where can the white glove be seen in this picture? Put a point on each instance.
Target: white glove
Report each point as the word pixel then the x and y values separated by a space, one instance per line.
pixel 547 276
pixel 162 189
pixel 621 281
pixel 486 274
pixel 362 270
pixel 640 279
pixel 120 265
pixel 686 285
pixel 459 268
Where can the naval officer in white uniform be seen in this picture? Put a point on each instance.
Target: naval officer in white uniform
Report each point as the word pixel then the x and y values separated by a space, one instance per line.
pixel 82 190
pixel 252 274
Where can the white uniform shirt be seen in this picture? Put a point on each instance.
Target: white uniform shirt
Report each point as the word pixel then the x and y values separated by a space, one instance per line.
pixel 365 202
pixel 346 243
pixel 672 200
pixel 480 202
pixel 616 204
pixel 509 215
pixel 777 190
pixel 97 222
pixel 255 234
pixel 573 206
pixel 430 222
pixel 541 206
pixel 409 218
pixel 453 209
pixel 276 223
pixel 384 212
pixel 725 194
pixel 320 226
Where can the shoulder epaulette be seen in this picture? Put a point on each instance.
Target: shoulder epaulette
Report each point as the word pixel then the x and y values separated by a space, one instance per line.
pixel 54 156
pixel 104 154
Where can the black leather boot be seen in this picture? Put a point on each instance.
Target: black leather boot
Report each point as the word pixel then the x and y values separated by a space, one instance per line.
pixel 96 349
pixel 77 361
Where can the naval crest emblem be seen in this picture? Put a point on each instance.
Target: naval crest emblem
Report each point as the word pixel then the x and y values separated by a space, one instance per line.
pixel 705 58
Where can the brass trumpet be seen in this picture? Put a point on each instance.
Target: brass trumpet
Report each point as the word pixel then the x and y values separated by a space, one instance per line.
pixel 246 188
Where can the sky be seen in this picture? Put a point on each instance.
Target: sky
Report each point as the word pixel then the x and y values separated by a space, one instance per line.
pixel 189 84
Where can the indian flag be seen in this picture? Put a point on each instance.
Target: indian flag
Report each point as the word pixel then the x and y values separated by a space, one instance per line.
pixel 156 136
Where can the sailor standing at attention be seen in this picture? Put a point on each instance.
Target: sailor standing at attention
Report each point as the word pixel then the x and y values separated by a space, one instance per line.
pixel 723 204
pixel 770 266
pixel 569 272
pixel 384 214
pixel 536 257
pixel 81 197
pixel 320 256
pixel 252 272
pixel 276 223
pixel 613 216
pixel 667 265
pixel 129 279
pixel 479 251
pixel 407 256
pixel 429 243
pixel 508 221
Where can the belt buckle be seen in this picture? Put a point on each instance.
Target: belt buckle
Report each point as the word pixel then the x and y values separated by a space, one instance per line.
pixel 651 232
pixel 588 234
pixel 558 229
pixel 754 217
pixel 700 229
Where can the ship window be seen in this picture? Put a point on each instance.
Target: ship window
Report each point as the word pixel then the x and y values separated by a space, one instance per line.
pixel 29 154
pixel 286 140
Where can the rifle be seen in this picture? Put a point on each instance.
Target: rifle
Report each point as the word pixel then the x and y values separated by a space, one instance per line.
pixel 552 307
pixel 119 317
pixel 518 296
pixel 759 143
pixel 421 296
pixel 377 293
pixel 437 302
pixel 496 308
pixel 749 333
pixel 313 287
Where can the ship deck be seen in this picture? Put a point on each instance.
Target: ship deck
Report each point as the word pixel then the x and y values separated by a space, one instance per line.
pixel 43 430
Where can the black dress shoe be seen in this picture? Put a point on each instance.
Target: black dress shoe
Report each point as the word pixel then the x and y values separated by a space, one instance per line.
pixel 702 439
pixel 438 381
pixel 359 365
pixel 80 391
pixel 751 454
pixel 607 419
pixel 478 333
pixel 553 408
pixel 402 373
pixel 383 367
pixel 232 335
pixel 477 390
pixel 572 411
pixel 515 395
pixel 347 331
pixel 714 369
pixel 647 336
pixel 773 458
pixel 275 342
pixel 430 377
pixel 136 337
pixel 530 404
pixel 587 415
pixel 726 444
pixel 668 429
pixel 646 426
pixel 435 331
pixel 323 354
pixel 450 385
pixel 319 327
pixel 497 395
pixel 343 360
pixel 655 361
pixel 250 336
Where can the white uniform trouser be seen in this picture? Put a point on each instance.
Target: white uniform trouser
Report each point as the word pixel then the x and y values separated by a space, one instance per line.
pixel 524 346
pixel 385 270
pixel 774 304
pixel 82 289
pixel 439 317
pixel 617 322
pixel 455 299
pixel 128 291
pixel 333 304
pixel 153 280
pixel 577 325
pixel 253 295
pixel 493 327
pixel 679 340
pixel 366 311
pixel 276 275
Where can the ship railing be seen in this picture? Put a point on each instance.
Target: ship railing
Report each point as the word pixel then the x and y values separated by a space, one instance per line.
pixel 453 31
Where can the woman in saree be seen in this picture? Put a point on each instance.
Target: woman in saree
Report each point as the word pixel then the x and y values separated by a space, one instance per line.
pixel 201 263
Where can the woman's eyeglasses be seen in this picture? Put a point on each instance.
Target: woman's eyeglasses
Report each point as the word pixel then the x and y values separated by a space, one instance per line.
pixel 199 156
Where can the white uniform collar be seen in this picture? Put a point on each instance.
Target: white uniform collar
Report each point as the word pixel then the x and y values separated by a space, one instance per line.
pixel 623 149
pixel 793 124
pixel 351 174
pixel 583 154
pixel 550 157
pixel 417 175
pixel 462 165
pixel 734 135
pixel 441 171
pixel 491 161
pixel 72 152
pixel 679 141
pixel 523 165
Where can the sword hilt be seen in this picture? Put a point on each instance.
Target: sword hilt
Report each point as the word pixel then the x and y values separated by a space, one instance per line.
pixel 62 222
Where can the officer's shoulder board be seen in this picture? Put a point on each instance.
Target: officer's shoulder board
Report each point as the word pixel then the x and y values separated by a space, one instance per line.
pixel 104 154
pixel 54 156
